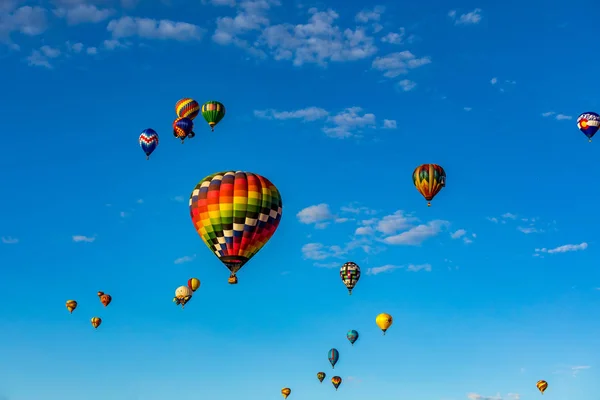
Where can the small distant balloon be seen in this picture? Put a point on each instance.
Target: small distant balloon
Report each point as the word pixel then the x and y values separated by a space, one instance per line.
pixel 194 284
pixel 352 336
pixel 384 321
pixel 71 306
pixel 542 386
pixel 588 123
pixel 187 108
pixel 286 392
pixel 183 294
pixel 96 322
pixel 148 141
pixel 350 274
pixel 213 112
pixel 336 381
pixel 321 376
pixel 182 128
pixel 105 299
pixel 333 357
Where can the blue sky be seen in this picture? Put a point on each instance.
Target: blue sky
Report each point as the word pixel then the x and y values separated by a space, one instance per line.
pixel 492 288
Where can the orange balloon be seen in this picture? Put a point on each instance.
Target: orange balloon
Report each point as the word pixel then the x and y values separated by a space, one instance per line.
pixel 96 322
pixel 105 299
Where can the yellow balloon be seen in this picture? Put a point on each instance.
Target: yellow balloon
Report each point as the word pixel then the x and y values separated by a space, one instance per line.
pixel 384 321
pixel 71 305
pixel 286 392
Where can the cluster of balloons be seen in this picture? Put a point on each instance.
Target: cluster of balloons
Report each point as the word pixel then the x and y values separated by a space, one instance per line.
pixel 105 299
pixel 186 109
pixel 183 294
pixel 589 123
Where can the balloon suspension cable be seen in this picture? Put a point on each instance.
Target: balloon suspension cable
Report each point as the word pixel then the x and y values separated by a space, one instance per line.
pixel 147 157
pixel 590 141
pixel 428 204
pixel 213 129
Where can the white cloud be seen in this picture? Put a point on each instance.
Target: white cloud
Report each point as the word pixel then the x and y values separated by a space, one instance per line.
pixel 389 124
pixel 92 50
pixel 475 396
pixel 575 370
pixel 418 234
pixel 417 268
pixel 154 29
pixel 458 234
pixel 529 229
pixel 315 214
pixel 370 15
pixel 385 268
pixel 305 114
pixel 112 44
pixel 318 251
pixel 364 231
pixel 218 3
pixel 184 259
pixel 406 85
pixel 123 214
pixel 348 123
pixel 41 57
pixel 558 117
pixel 30 21
pixel 82 238
pixel 394 38
pixel 399 63
pixel 493 81
pixel 470 18
pixel 509 216
pixel 140 201
pixel 75 47
pixel 563 249
pixel 179 199
pixel 82 13
pixel 467 108
pixel 394 223
pixel 492 219
pixel 9 240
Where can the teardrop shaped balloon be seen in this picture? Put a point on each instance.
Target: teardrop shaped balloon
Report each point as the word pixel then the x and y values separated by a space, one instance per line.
pixel 321 376
pixel 429 179
pixel 333 357
pixel 183 294
pixel 182 127
pixel 352 336
pixel 105 299
pixel 71 306
pixel 148 141
pixel 213 112
pixel 588 123
pixel 235 213
pixel 96 322
pixel 336 381
pixel 286 392
pixel 194 284
pixel 384 321
pixel 542 386
pixel 350 274
pixel 187 108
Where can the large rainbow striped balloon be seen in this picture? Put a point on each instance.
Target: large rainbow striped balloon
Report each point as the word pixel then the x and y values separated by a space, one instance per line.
pixel 187 108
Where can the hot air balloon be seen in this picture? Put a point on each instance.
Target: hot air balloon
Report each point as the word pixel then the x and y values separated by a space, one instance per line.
pixel 336 381
pixel 235 214
pixel 333 356
pixel 71 306
pixel 213 112
pixel 352 336
pixel 182 128
pixel 194 284
pixel 148 141
pixel 384 321
pixel 542 386
pixel 96 322
pixel 321 376
pixel 350 274
pixel 589 123
pixel 183 294
pixel 105 299
pixel 286 392
pixel 187 108
pixel 429 179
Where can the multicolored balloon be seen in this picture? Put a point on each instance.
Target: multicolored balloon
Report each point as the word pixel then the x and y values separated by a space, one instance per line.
pixel 321 376
pixel 384 321
pixel 352 336
pixel 148 141
pixel 429 179
pixel 105 299
pixel 96 322
pixel 194 284
pixel 542 386
pixel 235 213
pixel 336 381
pixel 187 108
pixel 286 392
pixel 333 357
pixel 182 128
pixel 350 274
pixel 213 112
pixel 588 123
pixel 183 294
pixel 71 306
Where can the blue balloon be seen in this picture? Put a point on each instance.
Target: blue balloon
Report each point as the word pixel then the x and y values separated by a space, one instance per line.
pixel 148 141
pixel 352 336
pixel 589 123
pixel 333 356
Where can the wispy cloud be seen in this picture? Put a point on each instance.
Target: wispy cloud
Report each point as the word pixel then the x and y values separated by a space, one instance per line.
pixel 82 238
pixel 563 249
pixel 9 240
pixel 557 116
pixel 179 199
pixel 184 259
pixel 475 396
pixel 320 216
pixel 391 268
pixel 471 18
